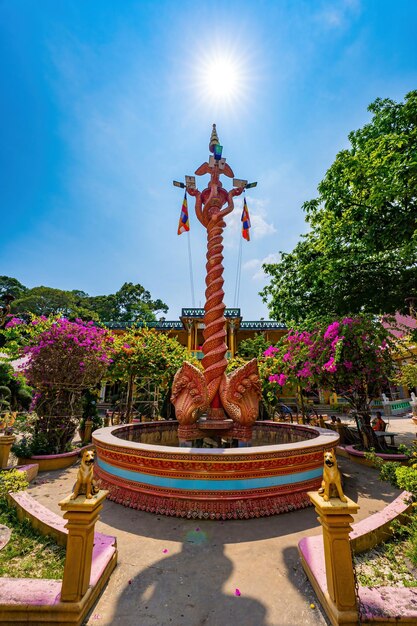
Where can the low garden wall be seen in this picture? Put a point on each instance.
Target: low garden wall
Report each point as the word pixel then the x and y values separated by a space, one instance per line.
pixel 381 605
pixel 38 601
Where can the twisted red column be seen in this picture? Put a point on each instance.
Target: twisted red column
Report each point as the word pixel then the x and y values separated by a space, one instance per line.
pixel 214 347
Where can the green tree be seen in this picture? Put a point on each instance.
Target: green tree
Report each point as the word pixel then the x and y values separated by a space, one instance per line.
pixel 361 252
pixel 134 303
pixel 49 301
pixel 20 395
pixel 253 347
pixel 12 286
pixel 104 307
pixel 147 359
pixel 131 303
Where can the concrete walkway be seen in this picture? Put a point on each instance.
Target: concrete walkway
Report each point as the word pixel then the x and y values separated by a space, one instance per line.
pixel 175 572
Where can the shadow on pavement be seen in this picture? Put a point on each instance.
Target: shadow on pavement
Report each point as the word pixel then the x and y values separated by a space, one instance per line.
pixel 194 587
pixel 298 578
pixel 230 531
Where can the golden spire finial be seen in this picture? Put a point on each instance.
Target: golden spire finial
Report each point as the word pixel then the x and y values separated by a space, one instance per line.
pixel 213 139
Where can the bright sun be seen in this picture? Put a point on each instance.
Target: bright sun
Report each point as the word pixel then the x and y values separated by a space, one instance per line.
pixel 220 78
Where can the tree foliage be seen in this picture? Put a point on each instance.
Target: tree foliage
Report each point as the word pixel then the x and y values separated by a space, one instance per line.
pixel 131 303
pixel 253 347
pixel 361 252
pixel 149 356
pixel 147 360
pixel 11 286
pixel 49 301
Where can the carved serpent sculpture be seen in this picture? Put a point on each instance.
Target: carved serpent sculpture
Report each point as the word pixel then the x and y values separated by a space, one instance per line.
pixel 212 217
pixel 193 392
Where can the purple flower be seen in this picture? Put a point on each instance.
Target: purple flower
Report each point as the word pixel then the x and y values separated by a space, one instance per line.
pixel 305 371
pixel 282 379
pixel 270 352
pixel 15 321
pixel 330 366
pixel 332 330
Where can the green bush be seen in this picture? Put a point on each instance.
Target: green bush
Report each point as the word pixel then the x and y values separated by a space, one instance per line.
pixel 407 478
pixel 402 477
pixel 24 396
pixel 36 444
pixel 11 480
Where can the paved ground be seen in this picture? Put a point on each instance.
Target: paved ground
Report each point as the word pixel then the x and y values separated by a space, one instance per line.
pixel 185 573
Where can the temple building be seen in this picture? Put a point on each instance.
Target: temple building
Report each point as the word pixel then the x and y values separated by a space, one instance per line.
pixel 188 330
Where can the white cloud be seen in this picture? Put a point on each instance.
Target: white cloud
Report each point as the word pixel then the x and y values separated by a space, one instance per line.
pixel 254 266
pixel 260 225
pixel 337 14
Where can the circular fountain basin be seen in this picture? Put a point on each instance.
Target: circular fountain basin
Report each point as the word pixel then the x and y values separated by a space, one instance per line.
pixel 142 467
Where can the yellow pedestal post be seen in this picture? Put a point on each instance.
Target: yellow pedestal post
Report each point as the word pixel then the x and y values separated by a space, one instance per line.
pixel 87 431
pixel 335 517
pixel 6 442
pixel 82 514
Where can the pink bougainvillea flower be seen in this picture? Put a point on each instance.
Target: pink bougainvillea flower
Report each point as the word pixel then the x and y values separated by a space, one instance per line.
pixel 330 366
pixel 15 321
pixel 332 330
pixel 164 550
pixel 305 372
pixel 237 592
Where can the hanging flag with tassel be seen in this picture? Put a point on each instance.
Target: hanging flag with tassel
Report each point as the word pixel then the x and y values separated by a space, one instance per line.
pixel 245 221
pixel 184 224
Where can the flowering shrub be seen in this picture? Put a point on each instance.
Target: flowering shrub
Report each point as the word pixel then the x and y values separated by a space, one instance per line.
pixel 62 361
pixel 148 359
pixel 20 332
pixel 67 355
pixel 350 357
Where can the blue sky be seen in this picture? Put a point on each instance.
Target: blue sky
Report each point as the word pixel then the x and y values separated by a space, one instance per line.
pixel 104 103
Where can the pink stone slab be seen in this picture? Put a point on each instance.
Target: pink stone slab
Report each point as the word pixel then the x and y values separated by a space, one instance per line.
pixel 389 602
pixel 5 533
pixel 31 591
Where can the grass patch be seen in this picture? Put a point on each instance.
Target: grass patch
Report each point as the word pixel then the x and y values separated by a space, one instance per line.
pixel 28 553
pixel 388 565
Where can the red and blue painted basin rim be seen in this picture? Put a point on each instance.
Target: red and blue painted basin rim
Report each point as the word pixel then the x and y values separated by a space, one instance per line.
pixel 197 484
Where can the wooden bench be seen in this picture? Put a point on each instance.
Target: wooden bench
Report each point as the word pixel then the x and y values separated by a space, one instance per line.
pixel 384 433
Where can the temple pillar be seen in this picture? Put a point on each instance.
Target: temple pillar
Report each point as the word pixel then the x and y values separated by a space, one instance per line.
pixel 232 348
pixel 189 327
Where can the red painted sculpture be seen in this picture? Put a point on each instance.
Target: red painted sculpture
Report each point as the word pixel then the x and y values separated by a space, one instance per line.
pixel 214 392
